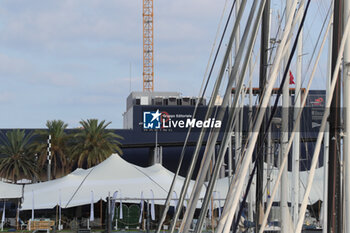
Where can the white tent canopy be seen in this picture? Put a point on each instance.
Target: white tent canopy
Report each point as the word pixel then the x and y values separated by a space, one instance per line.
pixel 113 174
pixel 317 185
pixel 8 191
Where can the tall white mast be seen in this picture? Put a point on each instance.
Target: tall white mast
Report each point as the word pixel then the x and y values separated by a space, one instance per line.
pixel 237 95
pixel 284 140
pixel 235 190
pixel 346 139
pixel 326 136
pixel 322 128
pixel 229 160
pixel 296 144
pixel 269 153
pixel 250 197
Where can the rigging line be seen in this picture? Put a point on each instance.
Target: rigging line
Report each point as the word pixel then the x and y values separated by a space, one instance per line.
pixel 150 179
pixel 315 47
pixel 213 47
pixel 319 37
pixel 194 115
pixel 319 6
pixel 273 47
pixel 219 47
pixel 304 186
pixel 81 183
pixel 308 31
pixel 309 25
pixel 322 10
pixel 313 54
pixel 274 109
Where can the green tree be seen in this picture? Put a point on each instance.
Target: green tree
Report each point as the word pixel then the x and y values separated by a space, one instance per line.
pixel 59 147
pixel 94 143
pixel 19 161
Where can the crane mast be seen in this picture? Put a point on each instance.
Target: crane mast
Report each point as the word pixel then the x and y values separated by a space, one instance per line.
pixel 148 65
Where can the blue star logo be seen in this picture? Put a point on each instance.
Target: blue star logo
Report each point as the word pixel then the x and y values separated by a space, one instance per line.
pixel 151 120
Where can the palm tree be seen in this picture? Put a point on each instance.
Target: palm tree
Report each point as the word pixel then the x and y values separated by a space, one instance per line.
pixel 94 143
pixel 19 162
pixel 59 147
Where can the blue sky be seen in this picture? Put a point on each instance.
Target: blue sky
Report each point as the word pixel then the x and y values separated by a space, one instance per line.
pixel 70 59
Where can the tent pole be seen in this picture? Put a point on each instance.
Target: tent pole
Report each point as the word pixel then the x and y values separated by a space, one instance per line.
pixel 56 215
pixel 17 216
pixel 109 220
pixel 148 217
pixel 101 222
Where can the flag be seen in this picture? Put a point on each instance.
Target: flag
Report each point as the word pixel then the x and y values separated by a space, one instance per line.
pixel 141 208
pixel 17 216
pixel 121 207
pixel 59 208
pixel 175 199
pixel 92 218
pixel 217 196
pixel 115 194
pixel 210 209
pixel 186 200
pixel 3 216
pixel 153 214
pixel 32 205
pixel 291 78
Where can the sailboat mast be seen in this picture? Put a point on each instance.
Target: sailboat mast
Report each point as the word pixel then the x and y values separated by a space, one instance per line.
pixel 296 143
pixel 250 115
pixel 237 95
pixel 261 142
pixel 334 185
pixel 326 135
pixel 346 139
pixel 284 140
pixel 230 159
